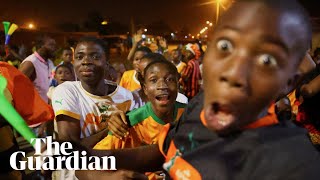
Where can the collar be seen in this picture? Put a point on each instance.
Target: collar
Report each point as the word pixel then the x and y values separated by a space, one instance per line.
pixel 40 58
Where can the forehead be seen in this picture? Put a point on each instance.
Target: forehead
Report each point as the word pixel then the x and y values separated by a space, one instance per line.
pixel 262 21
pixel 160 68
pixel 88 47
pixel 63 69
pixel 67 51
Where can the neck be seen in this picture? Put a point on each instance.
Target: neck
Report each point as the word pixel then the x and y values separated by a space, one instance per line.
pixel 143 96
pixel 165 115
pixel 176 62
pixel 43 54
pixel 98 89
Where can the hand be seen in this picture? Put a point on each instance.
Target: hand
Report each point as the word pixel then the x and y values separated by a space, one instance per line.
pixel 118 125
pixel 137 38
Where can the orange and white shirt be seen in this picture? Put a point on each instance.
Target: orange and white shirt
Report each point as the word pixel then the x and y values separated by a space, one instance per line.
pixel 93 112
pixel 129 80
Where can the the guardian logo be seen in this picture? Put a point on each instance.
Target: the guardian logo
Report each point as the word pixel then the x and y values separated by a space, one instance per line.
pixel 57 157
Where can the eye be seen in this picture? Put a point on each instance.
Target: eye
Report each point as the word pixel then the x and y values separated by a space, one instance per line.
pixel 170 79
pixel 153 80
pixel 95 57
pixel 224 45
pixel 78 57
pixel 267 60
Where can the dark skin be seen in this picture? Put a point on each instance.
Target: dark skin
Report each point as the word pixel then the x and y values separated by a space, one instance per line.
pixel 118 126
pixel 161 87
pixel 234 66
pixel 175 56
pixel 252 66
pixel 46 51
pixel 90 64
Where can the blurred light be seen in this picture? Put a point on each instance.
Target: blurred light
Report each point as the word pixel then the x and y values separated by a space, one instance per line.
pixel 198 34
pixel 192 37
pixel 206 28
pixel 172 34
pixel 210 24
pixel 206 36
pixel 207 22
pixel 186 37
pixel 30 26
pixel 145 30
pixel 104 22
pixel 143 36
pixel 189 34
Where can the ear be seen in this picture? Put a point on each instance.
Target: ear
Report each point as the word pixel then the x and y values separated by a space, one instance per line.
pixel 145 90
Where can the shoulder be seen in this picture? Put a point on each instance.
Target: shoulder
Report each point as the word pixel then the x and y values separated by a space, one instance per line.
pixel 138 115
pixel 67 87
pixel 129 73
pixel 30 58
pixel 121 91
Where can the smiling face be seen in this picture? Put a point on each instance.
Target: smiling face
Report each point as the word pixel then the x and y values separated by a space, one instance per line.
pixel 90 62
pixel 251 60
pixel 161 87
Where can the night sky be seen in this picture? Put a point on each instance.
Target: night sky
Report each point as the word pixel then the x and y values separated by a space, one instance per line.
pixel 177 13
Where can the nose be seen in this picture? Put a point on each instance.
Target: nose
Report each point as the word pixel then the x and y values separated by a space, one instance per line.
pixel 162 85
pixel 86 60
pixel 236 73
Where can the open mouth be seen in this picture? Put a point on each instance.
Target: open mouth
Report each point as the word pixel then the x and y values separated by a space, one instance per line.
pixel 219 116
pixel 163 98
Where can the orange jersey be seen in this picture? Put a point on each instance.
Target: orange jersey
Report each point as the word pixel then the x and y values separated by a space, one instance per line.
pixel 129 81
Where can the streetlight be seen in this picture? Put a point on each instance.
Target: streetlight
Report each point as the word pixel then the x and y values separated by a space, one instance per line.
pixel 31 26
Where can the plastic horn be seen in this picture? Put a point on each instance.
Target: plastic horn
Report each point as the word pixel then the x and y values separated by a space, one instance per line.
pixel 12 28
pixel 6 26
pixel 12 116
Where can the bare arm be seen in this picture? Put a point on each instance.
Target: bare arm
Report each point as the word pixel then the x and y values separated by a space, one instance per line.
pixel 137 39
pixel 27 69
pixel 69 130
pixel 142 159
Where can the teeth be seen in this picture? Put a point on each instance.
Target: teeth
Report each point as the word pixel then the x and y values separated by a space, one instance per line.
pixel 222 121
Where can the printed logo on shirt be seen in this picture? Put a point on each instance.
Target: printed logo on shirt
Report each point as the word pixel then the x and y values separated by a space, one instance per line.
pixel 58 102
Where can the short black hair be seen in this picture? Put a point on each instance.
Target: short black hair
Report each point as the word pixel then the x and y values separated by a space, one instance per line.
pixel 66 48
pixel 293 7
pixel 63 66
pixel 40 40
pixel 154 57
pixel 144 49
pixel 104 45
pixel 167 63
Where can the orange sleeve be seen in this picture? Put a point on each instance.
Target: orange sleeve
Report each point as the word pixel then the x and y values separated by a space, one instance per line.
pixel 123 80
pixel 26 99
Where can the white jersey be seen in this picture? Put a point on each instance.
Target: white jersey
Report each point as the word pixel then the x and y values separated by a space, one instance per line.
pixel 93 111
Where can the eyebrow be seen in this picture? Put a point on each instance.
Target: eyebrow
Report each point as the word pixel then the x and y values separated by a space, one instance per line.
pixel 277 41
pixel 267 38
pixel 229 27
